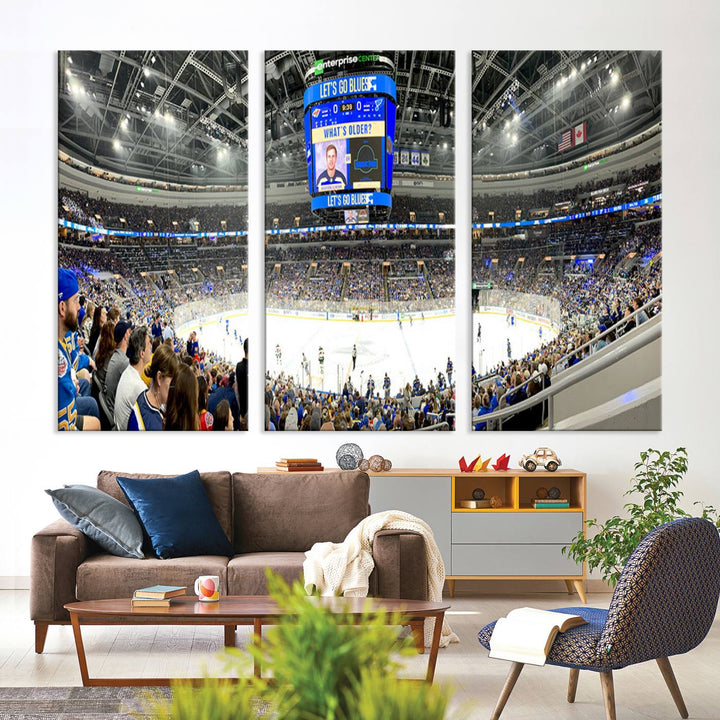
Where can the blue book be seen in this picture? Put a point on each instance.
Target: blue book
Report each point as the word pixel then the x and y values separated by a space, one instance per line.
pixel 160 592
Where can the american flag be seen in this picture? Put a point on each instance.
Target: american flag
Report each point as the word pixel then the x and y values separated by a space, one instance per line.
pixel 566 140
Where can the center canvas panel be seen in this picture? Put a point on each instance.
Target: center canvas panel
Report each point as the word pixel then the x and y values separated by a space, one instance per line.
pixel 359 240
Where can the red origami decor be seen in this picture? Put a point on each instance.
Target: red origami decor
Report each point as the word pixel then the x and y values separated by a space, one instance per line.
pixel 502 462
pixel 477 465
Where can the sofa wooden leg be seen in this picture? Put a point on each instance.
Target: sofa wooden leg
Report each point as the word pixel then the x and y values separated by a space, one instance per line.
pixel 512 677
pixel 606 680
pixel 671 682
pixel 41 629
pixel 572 684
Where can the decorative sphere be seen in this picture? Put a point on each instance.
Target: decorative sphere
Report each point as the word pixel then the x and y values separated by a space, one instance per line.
pixel 348 456
pixel 364 465
pixel 554 493
pixel 541 493
pixel 387 465
pixel 496 501
pixel 478 494
pixel 376 463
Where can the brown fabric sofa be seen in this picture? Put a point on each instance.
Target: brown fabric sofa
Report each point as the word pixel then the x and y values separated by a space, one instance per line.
pixel 271 520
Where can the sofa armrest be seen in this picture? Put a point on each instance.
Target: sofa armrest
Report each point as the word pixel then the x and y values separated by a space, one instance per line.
pixel 55 554
pixel 400 565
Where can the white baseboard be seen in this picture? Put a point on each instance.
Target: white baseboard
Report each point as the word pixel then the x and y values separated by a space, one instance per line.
pixel 523 587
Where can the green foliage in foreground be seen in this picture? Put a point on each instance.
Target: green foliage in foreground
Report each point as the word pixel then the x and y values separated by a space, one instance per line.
pixel 324 666
pixel 657 475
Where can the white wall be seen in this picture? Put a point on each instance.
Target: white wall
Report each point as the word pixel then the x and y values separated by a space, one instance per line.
pixel 36 457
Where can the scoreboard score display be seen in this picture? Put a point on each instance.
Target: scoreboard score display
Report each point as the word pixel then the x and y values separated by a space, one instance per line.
pixel 349 142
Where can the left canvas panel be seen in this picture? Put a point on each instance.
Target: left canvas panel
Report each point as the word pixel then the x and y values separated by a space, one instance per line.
pixel 152 240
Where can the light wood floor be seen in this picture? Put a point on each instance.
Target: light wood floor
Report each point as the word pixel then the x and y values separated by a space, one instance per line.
pixel 540 693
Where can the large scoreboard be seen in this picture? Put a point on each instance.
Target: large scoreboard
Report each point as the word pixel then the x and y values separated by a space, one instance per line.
pixel 349 142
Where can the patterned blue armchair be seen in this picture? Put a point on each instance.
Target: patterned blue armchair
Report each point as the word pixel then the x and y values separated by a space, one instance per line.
pixel 664 604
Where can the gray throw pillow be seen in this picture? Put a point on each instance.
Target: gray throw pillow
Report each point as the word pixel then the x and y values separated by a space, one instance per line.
pixel 110 523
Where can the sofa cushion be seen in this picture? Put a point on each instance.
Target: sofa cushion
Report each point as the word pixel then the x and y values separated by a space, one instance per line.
pixel 107 576
pixel 290 513
pixel 246 573
pixel 110 523
pixel 177 515
pixel 216 484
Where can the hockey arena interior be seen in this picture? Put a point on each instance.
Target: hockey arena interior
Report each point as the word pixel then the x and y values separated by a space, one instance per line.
pixel 360 299
pixel 152 239
pixel 567 251
pixel 360 304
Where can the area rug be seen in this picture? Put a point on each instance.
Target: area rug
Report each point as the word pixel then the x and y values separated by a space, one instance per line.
pixel 72 703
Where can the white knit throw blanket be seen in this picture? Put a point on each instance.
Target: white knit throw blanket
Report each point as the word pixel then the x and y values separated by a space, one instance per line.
pixel 344 568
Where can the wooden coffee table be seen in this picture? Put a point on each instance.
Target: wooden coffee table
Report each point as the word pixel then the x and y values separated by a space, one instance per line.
pixel 231 611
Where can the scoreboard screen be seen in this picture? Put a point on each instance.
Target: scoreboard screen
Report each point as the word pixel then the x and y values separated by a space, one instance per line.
pixel 349 139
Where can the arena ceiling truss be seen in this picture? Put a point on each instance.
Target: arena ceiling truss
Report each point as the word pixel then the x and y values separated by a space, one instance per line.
pixel 168 116
pixel 523 101
pixel 425 83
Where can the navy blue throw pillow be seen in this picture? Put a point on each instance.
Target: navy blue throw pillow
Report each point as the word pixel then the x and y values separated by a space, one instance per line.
pixel 177 516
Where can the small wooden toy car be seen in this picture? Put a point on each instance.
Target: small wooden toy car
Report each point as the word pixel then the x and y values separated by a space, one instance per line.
pixel 542 456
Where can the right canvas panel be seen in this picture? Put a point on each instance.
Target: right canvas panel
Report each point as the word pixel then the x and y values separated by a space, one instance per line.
pixel 567 240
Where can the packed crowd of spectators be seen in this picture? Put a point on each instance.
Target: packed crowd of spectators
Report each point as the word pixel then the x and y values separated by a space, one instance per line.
pixel 377 268
pixel 122 369
pixel 290 407
pixel 78 207
pixel 600 302
pixel 624 187
pixel 111 277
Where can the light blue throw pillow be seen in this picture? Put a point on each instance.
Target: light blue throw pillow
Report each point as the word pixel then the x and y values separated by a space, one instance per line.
pixel 110 523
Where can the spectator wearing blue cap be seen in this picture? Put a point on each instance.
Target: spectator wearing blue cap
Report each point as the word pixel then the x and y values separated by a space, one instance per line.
pixel 68 306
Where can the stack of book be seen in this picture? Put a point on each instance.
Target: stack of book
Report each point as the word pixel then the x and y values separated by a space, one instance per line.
pixel 551 503
pixel 299 465
pixel 156 595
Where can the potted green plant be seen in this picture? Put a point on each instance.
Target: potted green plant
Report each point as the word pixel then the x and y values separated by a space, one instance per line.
pixel 657 476
pixel 323 666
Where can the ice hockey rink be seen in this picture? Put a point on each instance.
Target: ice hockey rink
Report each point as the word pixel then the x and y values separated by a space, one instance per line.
pixel 420 347
pixel 490 348
pixel 417 347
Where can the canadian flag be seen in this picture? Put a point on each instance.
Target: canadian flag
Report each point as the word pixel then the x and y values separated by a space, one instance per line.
pixel 580 133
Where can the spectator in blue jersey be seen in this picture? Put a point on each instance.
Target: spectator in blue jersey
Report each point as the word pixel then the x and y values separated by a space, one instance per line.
pixel 416 387
pixel 449 369
pixel 331 178
pixel 226 391
pixel 192 345
pixel 148 412
pixel 68 306
pixel 156 327
pixel 81 312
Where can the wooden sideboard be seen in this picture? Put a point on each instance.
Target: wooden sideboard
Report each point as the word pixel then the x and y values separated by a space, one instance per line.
pixel 513 541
